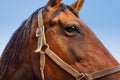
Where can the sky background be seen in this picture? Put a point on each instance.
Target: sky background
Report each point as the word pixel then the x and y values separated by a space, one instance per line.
pixel 102 16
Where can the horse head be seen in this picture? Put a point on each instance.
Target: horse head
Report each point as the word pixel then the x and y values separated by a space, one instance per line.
pixel 66 35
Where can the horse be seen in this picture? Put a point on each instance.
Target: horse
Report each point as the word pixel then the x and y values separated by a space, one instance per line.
pixel 55 44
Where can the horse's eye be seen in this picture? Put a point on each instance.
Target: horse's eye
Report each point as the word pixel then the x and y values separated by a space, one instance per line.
pixel 72 28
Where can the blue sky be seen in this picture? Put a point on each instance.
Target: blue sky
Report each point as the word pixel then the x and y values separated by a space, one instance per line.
pixel 102 16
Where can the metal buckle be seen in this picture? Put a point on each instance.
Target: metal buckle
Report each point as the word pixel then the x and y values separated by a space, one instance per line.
pixel 82 76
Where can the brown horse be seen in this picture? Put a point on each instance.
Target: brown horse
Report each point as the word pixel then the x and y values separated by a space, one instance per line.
pixel 79 50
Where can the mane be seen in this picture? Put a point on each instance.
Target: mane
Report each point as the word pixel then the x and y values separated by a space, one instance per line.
pixel 20 37
pixel 13 49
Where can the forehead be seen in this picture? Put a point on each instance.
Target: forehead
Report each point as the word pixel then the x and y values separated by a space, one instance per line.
pixel 64 9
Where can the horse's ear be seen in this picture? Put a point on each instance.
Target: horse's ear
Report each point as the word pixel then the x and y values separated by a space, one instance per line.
pixel 77 5
pixel 53 3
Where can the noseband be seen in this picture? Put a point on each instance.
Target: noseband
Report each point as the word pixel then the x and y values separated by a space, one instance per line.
pixel 43 49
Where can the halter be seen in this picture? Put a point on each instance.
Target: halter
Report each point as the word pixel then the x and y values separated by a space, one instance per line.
pixel 40 34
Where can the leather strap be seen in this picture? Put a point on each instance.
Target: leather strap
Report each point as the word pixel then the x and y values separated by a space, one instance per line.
pixel 40 34
pixel 104 73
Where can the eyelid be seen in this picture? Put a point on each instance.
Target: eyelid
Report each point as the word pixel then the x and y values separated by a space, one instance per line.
pixel 76 26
